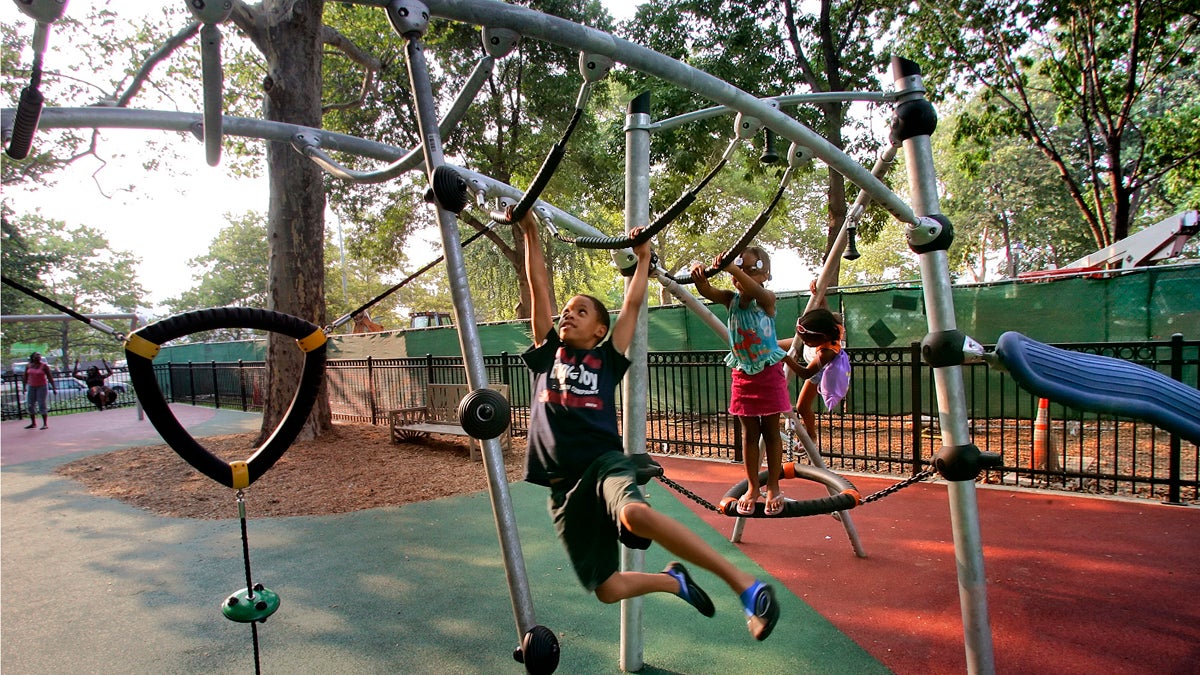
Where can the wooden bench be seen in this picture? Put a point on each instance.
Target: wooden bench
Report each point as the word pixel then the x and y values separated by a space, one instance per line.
pixel 439 415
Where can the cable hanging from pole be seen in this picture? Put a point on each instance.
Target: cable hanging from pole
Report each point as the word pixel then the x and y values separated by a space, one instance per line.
pixel 404 282
pixel 798 155
pixel 745 127
pixel 674 211
pixel 94 323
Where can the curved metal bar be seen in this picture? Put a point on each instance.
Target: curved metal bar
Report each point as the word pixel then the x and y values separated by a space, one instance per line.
pixel 787 99
pixel 165 120
pixel 310 146
pixel 482 185
pixel 575 36
pixel 468 334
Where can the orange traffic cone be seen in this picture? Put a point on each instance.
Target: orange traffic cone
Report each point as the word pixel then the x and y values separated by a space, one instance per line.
pixel 1043 444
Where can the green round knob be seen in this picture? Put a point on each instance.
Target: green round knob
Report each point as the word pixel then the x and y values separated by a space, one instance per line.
pixel 244 608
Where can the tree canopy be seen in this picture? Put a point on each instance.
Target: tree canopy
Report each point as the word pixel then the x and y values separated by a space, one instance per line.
pixel 74 266
pixel 1053 115
pixel 1104 91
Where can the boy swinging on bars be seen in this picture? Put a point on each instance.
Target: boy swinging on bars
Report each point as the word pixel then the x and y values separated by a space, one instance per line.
pixel 575 450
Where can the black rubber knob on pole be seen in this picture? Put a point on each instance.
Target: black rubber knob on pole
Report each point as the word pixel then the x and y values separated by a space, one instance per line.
pixel 25 123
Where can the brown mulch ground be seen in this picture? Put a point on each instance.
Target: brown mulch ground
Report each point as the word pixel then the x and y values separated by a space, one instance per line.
pixel 353 467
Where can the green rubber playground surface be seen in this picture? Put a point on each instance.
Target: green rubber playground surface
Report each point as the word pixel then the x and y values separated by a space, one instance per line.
pixel 92 585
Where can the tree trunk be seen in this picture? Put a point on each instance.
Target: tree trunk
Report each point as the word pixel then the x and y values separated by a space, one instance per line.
pixel 836 190
pixel 296 214
pixel 835 117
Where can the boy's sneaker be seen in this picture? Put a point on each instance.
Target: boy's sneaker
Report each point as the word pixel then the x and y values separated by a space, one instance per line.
pixel 762 611
pixel 689 591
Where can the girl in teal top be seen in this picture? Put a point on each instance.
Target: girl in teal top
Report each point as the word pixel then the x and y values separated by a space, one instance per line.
pixel 759 393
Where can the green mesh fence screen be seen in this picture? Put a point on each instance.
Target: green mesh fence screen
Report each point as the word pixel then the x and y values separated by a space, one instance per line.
pixel 1144 304
pixel 221 352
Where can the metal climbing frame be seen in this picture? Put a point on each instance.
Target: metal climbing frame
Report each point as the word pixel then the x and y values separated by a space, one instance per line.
pixel 928 233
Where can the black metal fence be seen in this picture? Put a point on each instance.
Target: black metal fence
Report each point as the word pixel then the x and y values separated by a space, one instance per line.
pixel 886 425
pixel 68 396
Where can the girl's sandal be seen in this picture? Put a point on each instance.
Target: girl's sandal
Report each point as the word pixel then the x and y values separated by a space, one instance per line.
pixel 746 508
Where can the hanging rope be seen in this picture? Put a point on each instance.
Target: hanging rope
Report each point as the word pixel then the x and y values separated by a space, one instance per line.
pixel 254 603
pixel 241 503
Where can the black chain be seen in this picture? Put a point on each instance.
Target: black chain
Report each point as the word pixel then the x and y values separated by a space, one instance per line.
pixel 689 494
pixel 911 480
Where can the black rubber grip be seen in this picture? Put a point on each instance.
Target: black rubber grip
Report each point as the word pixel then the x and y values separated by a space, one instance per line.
pixel 25 123
pixel 846 499
pixel 748 236
pixel 145 383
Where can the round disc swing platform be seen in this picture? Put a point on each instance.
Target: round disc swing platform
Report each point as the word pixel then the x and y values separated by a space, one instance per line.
pixel 254 603
pixel 846 495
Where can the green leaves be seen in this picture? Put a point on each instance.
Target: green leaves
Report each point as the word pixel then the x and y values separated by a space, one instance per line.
pixel 1087 86
pixel 74 266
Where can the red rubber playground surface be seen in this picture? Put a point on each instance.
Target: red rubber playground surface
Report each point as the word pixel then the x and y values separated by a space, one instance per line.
pixel 1075 584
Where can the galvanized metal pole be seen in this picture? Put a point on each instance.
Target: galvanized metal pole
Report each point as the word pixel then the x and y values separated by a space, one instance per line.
pixel 929 238
pixel 636 384
pixel 464 313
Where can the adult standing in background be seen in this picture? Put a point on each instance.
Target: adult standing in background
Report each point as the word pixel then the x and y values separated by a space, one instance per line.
pixel 37 378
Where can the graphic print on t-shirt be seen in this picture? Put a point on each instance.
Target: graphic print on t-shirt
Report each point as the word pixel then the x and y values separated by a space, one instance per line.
pixel 575 383
pixel 749 329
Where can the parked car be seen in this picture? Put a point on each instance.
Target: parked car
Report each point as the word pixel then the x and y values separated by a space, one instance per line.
pixel 68 388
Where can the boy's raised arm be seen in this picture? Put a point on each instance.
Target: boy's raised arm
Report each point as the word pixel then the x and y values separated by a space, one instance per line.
pixel 541 315
pixel 635 296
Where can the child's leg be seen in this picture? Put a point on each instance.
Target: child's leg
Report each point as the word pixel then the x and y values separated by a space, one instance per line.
pixel 774 448
pixel 625 585
pixel 753 461
pixel 757 598
pixel 805 405
pixel 644 521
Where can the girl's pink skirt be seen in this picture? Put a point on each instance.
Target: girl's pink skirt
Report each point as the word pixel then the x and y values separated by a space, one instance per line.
pixel 764 393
